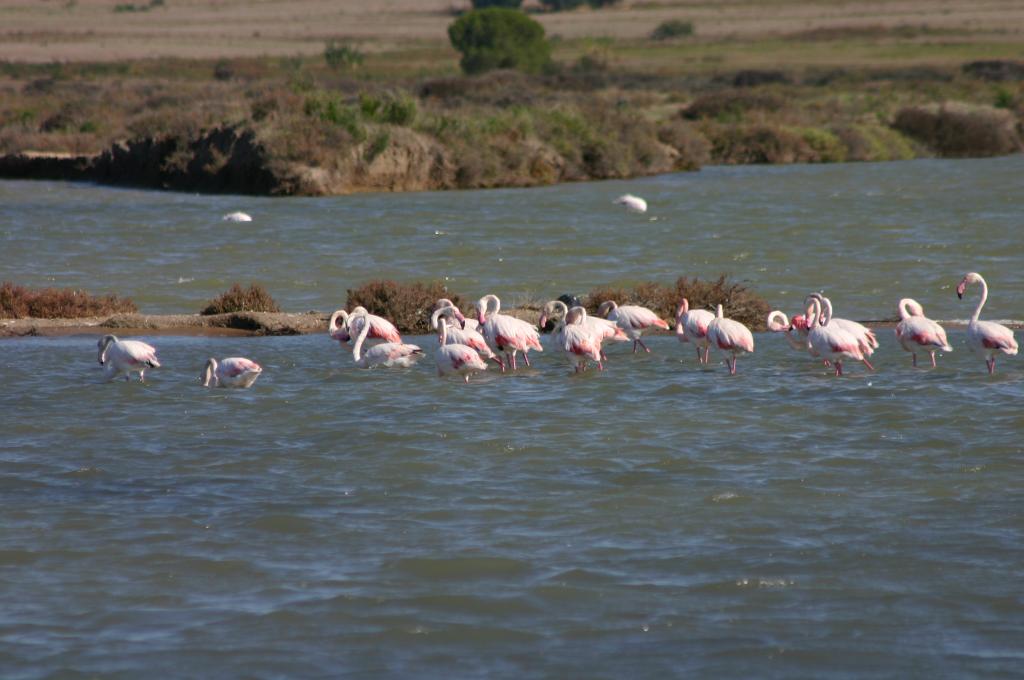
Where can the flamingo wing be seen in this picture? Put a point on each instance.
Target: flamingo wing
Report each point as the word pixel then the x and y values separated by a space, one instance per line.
pixel 639 318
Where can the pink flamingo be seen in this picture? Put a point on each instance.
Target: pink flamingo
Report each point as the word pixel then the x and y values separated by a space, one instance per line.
pixel 986 338
pixel 505 333
pixel 465 323
pixel 124 357
pixel 917 332
pixel 832 341
pixel 351 323
pixel 602 329
pixel 731 337
pixel 692 326
pixel 795 330
pixel 461 336
pixel 632 319
pixel 230 372
pixel 865 336
pixel 384 354
pixel 452 357
pixel 578 339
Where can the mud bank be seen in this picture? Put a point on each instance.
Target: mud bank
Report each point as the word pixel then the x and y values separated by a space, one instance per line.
pixel 241 323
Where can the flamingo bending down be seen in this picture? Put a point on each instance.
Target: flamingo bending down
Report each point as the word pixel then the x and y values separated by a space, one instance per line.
pixel 917 332
pixel 461 336
pixel 577 338
pixel 986 337
pixel 452 357
pixel 230 372
pixel 731 337
pixel 692 326
pixel 602 329
pixel 632 319
pixel 632 203
pixel 865 336
pixel 779 323
pixel 351 323
pixel 464 323
pixel 506 333
pixel 384 354
pixel 124 357
pixel 833 341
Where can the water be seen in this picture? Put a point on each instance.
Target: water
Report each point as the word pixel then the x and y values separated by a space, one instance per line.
pixel 655 520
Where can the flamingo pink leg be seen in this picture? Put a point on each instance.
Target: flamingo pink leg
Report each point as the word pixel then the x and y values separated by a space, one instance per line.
pixel 526 358
pixel 641 343
pixel 933 358
pixel 868 364
pixel 914 354
pixel 991 363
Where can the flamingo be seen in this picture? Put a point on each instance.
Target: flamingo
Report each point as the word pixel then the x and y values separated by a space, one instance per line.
pixel 237 217
pixel 832 341
pixel 230 372
pixel 729 336
pixel 506 333
pixel 576 336
pixel 462 336
pixel 453 357
pixel 632 203
pixel 986 337
pixel 692 326
pixel 632 319
pixel 124 357
pixel 916 332
pixel 779 323
pixel 603 329
pixel 865 336
pixel 380 328
pixel 384 354
pixel 471 324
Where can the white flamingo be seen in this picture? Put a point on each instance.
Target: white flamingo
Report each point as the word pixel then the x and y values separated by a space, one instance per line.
pixel 471 324
pixel 986 338
pixel 632 319
pixel 461 336
pixel 238 216
pixel 351 323
pixel 831 341
pixel 865 336
pixel 916 332
pixel 692 326
pixel 230 372
pixel 795 331
pixel 505 333
pixel 578 339
pixel 452 357
pixel 731 337
pixel 384 354
pixel 632 203
pixel 602 328
pixel 124 357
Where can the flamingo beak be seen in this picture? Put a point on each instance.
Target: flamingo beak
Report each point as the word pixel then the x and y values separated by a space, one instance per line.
pixel 480 319
pixel 543 321
pixel 461 319
pixel 960 290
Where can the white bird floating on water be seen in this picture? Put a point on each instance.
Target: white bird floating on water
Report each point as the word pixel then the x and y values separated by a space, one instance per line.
pixel 632 203
pixel 238 216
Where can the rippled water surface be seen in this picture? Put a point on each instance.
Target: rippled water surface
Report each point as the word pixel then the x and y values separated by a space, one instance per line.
pixel 654 520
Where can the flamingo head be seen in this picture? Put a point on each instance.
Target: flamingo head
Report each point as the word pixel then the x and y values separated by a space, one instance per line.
pixel 606 308
pixel 798 323
pixel 961 288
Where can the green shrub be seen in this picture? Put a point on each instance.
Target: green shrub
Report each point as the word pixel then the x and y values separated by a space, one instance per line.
pixel 673 28
pixel 499 38
pixel 18 302
pixel 238 299
pixel 826 145
pixel 407 305
pixel 377 146
pixel 957 130
pixel 730 105
pixel 340 56
pixel 330 109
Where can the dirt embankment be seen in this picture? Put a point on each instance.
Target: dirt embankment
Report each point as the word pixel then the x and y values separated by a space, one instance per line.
pixel 239 323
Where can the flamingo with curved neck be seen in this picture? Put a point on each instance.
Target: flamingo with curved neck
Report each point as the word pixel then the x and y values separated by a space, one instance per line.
pixel 632 319
pixel 865 336
pixel 453 357
pixel 456 335
pixel 351 322
pixel 505 333
pixel 692 326
pixel 578 339
pixel 602 329
pixel 831 340
pixel 231 372
pixel 986 338
pixel 384 354
pixel 916 332
pixel 124 357
pixel 731 337
pixel 778 322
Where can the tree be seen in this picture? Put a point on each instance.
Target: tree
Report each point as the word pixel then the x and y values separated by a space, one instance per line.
pixel 499 38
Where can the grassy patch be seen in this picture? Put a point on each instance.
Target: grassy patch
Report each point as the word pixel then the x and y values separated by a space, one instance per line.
pixel 407 305
pixel 18 302
pixel 255 298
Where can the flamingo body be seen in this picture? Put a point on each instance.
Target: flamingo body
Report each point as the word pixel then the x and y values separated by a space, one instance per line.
pixel 916 332
pixel 124 357
pixel 385 354
pixel 238 216
pixel 632 203
pixel 833 342
pixel 692 326
pixel 731 337
pixel 231 372
pixel 380 328
pixel 633 320
pixel 504 333
pixel 986 338
pixel 456 358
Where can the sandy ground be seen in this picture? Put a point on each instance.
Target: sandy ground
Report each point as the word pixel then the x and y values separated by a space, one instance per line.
pixel 102 30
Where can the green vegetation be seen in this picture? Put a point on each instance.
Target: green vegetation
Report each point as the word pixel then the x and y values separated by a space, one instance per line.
pixel 564 5
pixel 18 302
pixel 673 28
pixel 342 57
pixel 499 38
pixel 509 4
pixel 255 298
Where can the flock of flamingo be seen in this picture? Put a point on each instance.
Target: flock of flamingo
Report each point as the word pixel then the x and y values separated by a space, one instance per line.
pixel 465 345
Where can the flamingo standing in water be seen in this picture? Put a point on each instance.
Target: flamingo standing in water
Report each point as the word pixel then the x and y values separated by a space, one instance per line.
pixel 731 337
pixel 577 338
pixel 465 323
pixel 384 354
pixel 351 323
pixel 506 333
pixel 832 341
pixel 461 336
pixel 124 357
pixel 603 329
pixel 230 372
pixel 692 326
pixel 986 338
pixel 453 357
pixel 865 336
pixel 779 323
pixel 632 319
pixel 917 332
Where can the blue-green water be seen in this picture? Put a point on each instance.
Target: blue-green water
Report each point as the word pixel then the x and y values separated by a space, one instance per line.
pixel 654 520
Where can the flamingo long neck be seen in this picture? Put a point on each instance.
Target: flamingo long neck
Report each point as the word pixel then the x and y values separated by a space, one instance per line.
pixel 211 370
pixel 719 313
pixel 357 351
pixel 434 317
pixel 684 308
pixel 105 344
pixel 442 334
pixel 904 308
pixel 826 314
pixel 493 301
pixel 781 324
pixel 813 313
pixel 981 302
pixel 332 327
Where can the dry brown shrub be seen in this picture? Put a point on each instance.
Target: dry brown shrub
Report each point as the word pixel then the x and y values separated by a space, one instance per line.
pixel 237 299
pixel 732 104
pixel 742 144
pixel 958 130
pixel 18 302
pixel 694 149
pixel 407 305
